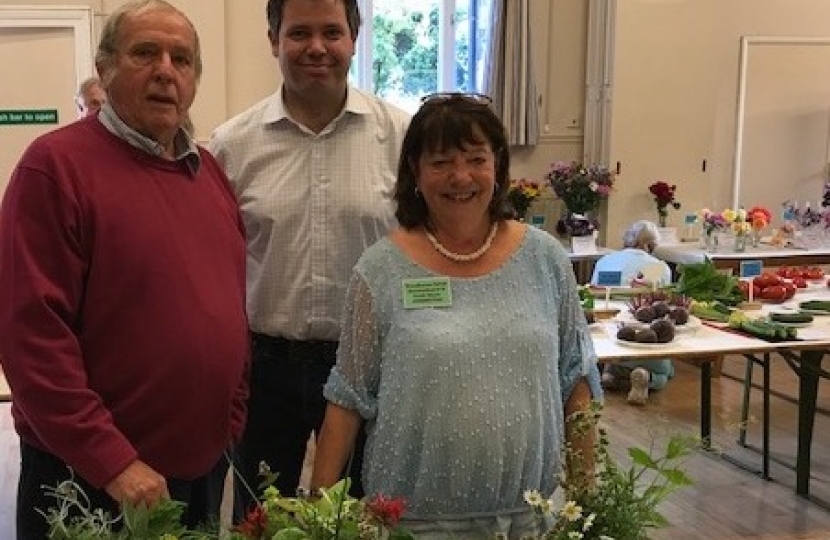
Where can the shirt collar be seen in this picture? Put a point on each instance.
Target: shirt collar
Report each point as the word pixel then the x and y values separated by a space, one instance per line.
pixel 185 149
pixel 275 110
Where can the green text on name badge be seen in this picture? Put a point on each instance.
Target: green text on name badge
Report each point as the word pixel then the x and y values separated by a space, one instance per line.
pixel 427 293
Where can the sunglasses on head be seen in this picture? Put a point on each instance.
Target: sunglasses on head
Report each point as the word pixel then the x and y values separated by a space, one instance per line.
pixel 480 99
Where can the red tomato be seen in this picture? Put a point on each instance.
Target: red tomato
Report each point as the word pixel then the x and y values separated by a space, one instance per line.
pixel 799 282
pixel 774 293
pixel 767 279
pixel 790 288
pixel 813 272
pixel 787 272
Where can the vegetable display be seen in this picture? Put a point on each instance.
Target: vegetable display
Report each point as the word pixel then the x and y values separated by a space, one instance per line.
pixel 702 281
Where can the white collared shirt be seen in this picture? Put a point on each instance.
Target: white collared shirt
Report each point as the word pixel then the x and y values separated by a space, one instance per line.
pixel 312 203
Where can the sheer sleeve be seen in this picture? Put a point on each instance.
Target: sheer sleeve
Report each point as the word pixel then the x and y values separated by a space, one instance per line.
pixel 576 354
pixel 353 383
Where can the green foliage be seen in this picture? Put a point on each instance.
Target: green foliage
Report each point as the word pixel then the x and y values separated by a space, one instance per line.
pixel 405 50
pixel 73 519
pixel 703 282
pixel 332 514
pixel 618 503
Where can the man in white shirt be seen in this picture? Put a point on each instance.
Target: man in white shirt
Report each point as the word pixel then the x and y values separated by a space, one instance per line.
pixel 314 166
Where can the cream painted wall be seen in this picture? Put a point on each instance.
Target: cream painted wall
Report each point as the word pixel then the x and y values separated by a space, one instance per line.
pixel 676 92
pixel 240 70
pixel 676 72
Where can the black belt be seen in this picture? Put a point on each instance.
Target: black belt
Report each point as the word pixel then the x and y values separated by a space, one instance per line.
pixel 293 347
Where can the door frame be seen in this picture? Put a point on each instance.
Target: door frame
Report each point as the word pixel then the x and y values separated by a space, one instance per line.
pixel 76 18
pixel 748 44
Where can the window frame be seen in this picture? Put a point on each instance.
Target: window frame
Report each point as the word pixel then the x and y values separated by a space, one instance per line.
pixel 362 77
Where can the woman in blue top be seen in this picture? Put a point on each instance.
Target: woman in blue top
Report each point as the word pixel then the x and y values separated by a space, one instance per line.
pixel 640 376
pixel 464 348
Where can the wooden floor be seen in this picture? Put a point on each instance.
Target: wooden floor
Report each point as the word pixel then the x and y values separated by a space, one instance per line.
pixel 726 502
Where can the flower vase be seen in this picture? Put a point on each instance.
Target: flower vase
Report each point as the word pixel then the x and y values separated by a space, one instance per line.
pixel 755 238
pixel 661 220
pixel 740 243
pixel 709 241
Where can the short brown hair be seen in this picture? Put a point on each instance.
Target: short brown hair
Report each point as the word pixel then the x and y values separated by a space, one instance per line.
pixel 275 8
pixel 442 123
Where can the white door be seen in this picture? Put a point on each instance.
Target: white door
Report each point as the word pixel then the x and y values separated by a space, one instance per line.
pixel 44 53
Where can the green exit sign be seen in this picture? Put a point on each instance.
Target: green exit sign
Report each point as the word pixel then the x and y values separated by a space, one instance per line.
pixel 28 116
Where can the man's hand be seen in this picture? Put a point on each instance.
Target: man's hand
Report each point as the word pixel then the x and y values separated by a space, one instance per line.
pixel 138 484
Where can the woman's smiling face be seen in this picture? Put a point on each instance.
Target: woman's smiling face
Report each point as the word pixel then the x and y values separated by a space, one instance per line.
pixel 454 181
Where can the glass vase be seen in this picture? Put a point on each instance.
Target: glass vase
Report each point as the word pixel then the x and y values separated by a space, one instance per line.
pixel 755 238
pixel 739 244
pixel 709 241
pixel 661 220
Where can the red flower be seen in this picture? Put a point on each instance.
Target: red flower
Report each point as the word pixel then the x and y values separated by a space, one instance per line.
pixel 386 510
pixel 664 194
pixel 254 525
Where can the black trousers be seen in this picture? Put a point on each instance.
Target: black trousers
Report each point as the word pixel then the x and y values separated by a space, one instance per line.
pixel 203 495
pixel 285 406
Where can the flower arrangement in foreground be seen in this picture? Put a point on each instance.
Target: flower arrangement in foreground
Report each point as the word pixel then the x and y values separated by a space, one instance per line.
pixel 581 188
pixel 664 196
pixel 331 514
pixel 522 193
pixel 614 503
pixel 605 502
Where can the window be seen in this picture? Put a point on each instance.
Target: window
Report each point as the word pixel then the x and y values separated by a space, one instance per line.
pixel 407 51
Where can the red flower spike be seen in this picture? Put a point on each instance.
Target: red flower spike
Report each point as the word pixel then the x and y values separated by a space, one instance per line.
pixel 386 510
pixel 254 525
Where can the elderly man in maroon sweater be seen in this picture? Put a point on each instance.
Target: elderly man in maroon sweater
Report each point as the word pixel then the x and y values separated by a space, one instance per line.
pixel 122 272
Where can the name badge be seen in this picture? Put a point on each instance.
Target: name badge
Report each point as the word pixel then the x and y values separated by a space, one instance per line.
pixel 421 293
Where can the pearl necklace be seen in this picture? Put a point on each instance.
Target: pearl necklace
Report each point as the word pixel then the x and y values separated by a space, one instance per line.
pixel 464 257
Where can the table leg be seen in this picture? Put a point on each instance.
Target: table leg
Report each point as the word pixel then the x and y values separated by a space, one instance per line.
pixel 808 372
pixel 766 420
pixel 706 403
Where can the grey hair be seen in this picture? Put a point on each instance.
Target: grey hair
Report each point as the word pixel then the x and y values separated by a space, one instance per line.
pixel 641 234
pixel 110 34
pixel 87 83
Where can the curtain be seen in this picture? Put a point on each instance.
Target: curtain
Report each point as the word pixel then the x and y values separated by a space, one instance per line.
pixel 508 71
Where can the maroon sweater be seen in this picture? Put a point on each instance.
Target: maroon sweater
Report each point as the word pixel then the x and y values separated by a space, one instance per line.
pixel 122 306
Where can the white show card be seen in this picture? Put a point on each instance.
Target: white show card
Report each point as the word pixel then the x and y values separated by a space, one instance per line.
pixel 668 236
pixel 584 245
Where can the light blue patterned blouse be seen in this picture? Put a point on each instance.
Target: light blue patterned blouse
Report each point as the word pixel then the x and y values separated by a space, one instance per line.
pixel 464 404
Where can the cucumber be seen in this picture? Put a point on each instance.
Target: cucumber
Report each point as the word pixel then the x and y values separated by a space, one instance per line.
pixel 816 305
pixel 768 330
pixel 792 318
